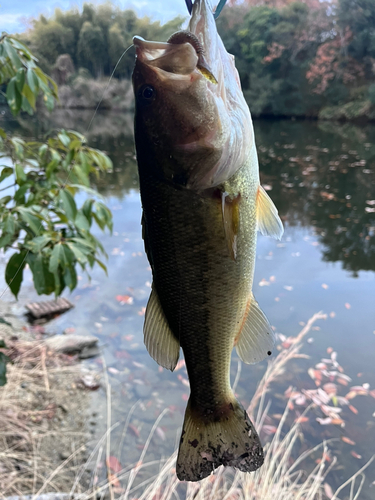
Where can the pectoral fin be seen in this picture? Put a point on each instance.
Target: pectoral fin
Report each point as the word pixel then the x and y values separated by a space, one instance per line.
pixel 231 220
pixel 268 220
pixel 161 344
pixel 256 338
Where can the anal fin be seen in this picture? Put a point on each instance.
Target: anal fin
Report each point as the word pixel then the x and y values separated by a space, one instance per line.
pixel 256 338
pixel 159 339
pixel 268 220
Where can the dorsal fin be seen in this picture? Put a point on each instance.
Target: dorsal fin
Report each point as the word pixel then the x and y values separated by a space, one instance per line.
pixel 256 338
pixel 159 339
pixel 268 220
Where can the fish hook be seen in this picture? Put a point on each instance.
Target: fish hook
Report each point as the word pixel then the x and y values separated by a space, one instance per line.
pixel 219 8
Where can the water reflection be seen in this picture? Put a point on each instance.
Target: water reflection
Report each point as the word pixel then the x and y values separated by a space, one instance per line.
pixel 321 178
pixel 321 174
pixel 324 178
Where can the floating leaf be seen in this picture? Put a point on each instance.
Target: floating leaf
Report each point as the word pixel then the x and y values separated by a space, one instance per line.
pixel 113 464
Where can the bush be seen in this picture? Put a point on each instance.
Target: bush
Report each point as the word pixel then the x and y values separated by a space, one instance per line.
pixel 39 218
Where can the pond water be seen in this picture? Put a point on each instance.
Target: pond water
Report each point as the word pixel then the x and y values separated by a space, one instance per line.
pixel 321 177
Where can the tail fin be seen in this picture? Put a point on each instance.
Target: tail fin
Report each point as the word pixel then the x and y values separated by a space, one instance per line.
pixel 206 443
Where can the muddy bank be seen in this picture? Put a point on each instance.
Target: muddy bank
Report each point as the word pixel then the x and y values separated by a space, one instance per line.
pixel 45 408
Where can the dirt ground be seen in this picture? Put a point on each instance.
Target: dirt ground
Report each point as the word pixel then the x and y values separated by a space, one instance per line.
pixel 45 414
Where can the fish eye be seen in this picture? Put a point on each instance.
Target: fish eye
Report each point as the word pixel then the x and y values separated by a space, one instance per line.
pixel 146 94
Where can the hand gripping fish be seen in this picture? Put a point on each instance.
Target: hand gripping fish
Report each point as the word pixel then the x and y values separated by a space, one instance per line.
pixel 202 206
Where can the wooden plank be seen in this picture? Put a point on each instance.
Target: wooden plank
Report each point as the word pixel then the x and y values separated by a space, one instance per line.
pixel 49 308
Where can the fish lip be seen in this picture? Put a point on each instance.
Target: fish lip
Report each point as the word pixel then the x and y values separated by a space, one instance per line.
pixel 148 50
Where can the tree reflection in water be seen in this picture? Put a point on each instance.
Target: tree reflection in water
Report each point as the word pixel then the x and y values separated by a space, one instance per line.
pixel 322 174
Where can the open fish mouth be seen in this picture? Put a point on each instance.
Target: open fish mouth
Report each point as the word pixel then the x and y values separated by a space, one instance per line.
pixel 181 55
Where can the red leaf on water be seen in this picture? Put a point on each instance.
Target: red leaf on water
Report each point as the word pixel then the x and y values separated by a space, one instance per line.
pixel 302 419
pixel 114 464
pixel 353 409
pixel 124 299
pixel 347 440
pixel 180 365
pixel 328 490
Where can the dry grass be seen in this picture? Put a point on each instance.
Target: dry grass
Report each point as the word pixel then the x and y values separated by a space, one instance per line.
pixel 33 419
pixel 287 474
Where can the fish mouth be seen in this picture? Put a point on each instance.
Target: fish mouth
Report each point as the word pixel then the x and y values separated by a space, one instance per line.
pixel 182 54
pixel 176 59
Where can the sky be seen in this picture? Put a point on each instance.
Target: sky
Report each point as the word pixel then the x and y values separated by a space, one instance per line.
pixel 14 14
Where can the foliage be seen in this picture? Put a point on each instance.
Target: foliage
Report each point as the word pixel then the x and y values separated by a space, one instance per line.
pixel 24 79
pixel 39 218
pixel 94 38
pixel 295 58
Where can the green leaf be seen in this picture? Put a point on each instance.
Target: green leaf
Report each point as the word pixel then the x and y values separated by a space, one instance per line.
pixel 69 255
pixel 3 133
pixel 103 266
pixel 81 222
pixel 6 172
pixel 32 80
pixel 19 197
pixel 38 243
pixel 5 199
pixel 26 106
pixel 42 150
pixel 85 242
pixel 83 178
pixel 79 255
pixel 18 145
pixel 57 258
pixel 5 239
pixel 20 79
pixel 64 138
pixel 42 77
pixel 9 224
pixel 87 190
pixel 44 280
pixel 20 174
pixel 70 277
pixel 69 204
pixel 3 322
pixel 30 96
pixel 14 97
pixel 14 271
pixel 68 158
pixel 12 54
pixel 31 220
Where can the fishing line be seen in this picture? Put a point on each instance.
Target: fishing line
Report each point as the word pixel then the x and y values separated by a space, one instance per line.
pixel 105 90
pixel 62 186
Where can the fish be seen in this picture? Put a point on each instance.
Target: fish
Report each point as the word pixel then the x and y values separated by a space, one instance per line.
pixel 202 206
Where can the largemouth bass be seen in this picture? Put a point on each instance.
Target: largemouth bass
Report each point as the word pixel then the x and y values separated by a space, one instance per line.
pixel 202 206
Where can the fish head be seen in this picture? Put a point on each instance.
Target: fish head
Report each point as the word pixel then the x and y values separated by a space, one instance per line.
pixel 191 117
